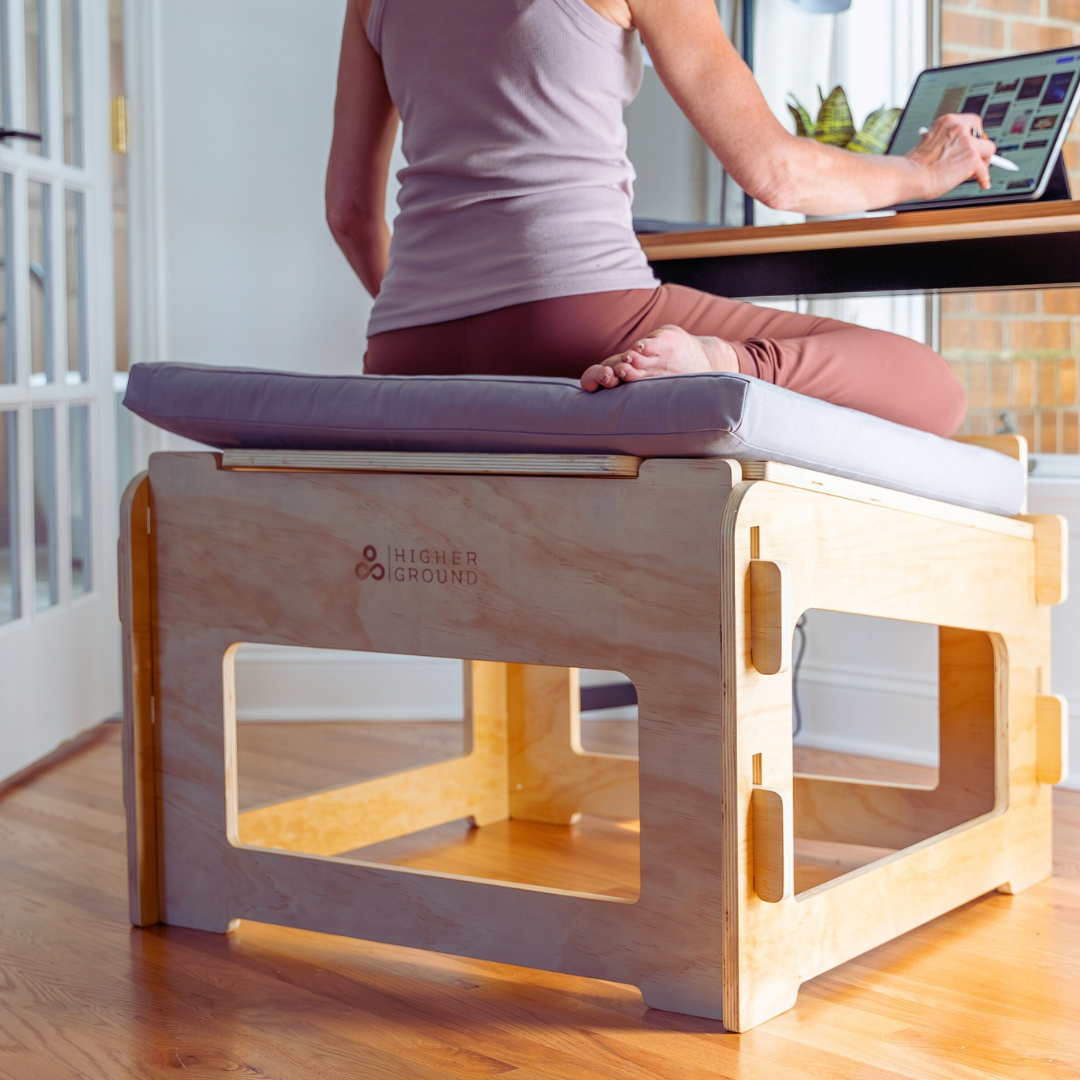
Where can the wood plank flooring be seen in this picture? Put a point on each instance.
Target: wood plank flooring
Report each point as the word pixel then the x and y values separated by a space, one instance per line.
pixel 991 990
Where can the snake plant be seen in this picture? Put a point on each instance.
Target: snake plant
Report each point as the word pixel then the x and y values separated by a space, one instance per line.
pixel 835 126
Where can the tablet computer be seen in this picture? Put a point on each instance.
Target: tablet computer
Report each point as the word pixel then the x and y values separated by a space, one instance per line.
pixel 1026 103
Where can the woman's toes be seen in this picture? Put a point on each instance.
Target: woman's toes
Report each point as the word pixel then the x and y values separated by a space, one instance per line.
pixel 633 374
pixel 668 350
pixel 599 376
pixel 590 378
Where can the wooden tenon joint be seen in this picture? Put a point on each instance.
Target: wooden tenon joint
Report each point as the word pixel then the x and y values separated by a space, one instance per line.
pixel 771 625
pixel 773 839
pixel 1051 557
pixel 1051 738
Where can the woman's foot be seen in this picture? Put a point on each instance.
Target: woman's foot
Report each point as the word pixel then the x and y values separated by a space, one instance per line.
pixel 667 351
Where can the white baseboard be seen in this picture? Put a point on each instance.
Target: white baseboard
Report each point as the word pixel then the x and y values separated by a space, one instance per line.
pixel 274 684
pixel 884 714
pixel 869 712
pixel 277 685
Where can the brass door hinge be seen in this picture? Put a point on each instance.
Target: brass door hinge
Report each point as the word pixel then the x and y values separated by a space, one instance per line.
pixel 119 124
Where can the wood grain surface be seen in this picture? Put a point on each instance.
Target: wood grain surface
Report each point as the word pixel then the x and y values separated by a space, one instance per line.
pixel 913 227
pixel 512 571
pixel 979 582
pixel 613 465
pixel 989 992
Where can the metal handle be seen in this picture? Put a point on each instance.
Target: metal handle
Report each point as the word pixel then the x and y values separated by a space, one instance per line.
pixel 6 134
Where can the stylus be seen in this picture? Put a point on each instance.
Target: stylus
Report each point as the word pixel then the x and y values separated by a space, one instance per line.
pixel 995 159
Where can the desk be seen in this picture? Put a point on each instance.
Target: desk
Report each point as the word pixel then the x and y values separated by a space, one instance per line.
pixel 1017 246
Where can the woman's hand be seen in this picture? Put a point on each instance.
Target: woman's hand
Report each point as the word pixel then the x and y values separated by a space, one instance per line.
pixel 717 92
pixel 954 150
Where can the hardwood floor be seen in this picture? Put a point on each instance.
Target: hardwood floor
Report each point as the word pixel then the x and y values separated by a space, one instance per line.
pixel 991 990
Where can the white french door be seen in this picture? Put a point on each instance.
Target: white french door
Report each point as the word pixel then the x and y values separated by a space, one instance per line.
pixel 58 630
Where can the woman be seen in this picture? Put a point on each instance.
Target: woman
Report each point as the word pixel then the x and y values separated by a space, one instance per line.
pixel 513 252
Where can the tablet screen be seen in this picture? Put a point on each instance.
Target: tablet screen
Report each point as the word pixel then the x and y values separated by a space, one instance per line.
pixel 1026 104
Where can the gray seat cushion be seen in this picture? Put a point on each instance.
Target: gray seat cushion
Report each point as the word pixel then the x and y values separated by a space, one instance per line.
pixel 700 415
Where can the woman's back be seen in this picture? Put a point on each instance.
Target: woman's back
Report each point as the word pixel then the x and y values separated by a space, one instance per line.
pixel 517 187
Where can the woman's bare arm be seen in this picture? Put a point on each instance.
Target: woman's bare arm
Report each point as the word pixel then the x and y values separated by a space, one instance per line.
pixel 718 93
pixel 365 123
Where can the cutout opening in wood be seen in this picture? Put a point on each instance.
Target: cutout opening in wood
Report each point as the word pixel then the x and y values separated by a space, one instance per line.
pixel 895 726
pixel 609 712
pixel 473 769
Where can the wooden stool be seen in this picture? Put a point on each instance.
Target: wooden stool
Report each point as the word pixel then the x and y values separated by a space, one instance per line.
pixel 685 574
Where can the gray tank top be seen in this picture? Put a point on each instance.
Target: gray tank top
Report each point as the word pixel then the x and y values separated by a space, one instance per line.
pixel 518 186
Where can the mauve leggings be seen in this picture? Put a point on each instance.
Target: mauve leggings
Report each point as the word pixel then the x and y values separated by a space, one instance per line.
pixel 870 370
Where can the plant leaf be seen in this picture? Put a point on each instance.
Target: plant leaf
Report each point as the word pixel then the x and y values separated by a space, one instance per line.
pixel 873 136
pixel 834 124
pixel 804 126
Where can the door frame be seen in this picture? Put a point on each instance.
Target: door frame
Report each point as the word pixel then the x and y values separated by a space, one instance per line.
pixel 60 666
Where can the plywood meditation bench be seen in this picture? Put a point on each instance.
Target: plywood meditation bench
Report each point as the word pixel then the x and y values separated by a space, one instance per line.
pixel 673 530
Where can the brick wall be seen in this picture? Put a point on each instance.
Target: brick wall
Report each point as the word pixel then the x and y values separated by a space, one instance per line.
pixel 1016 351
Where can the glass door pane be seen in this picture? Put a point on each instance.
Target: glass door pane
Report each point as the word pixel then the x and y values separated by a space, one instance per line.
pixel 36 111
pixel 7 300
pixel 70 32
pixel 74 244
pixel 46 563
pixel 79 488
pixel 41 350
pixel 5 67
pixel 9 517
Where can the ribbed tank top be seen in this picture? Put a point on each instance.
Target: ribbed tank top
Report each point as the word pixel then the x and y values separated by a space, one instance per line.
pixel 517 186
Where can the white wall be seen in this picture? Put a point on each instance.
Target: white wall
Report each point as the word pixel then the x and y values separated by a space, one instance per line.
pixel 659 134
pixel 251 273
pixel 239 103
pixel 869 687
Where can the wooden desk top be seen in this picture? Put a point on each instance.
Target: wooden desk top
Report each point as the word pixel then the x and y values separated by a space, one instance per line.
pixel 917 226
pixel 1021 245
